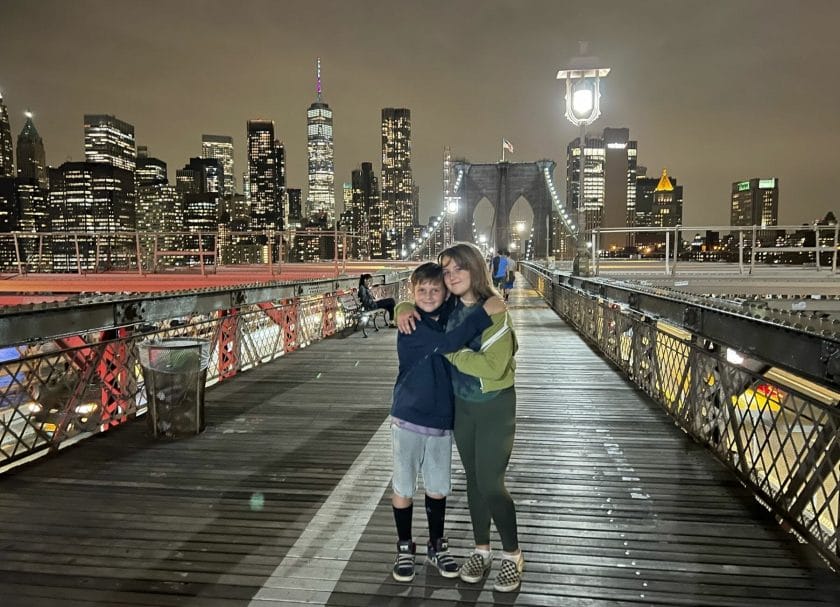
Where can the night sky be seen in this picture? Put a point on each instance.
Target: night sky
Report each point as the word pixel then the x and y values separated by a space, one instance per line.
pixel 714 90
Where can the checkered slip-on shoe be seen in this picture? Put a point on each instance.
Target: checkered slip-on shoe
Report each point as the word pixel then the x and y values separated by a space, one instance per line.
pixel 475 568
pixel 510 575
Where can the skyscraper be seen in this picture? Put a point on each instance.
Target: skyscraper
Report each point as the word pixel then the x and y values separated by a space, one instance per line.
pixel 264 176
pixel 158 208
pixel 320 197
pixel 609 196
pixel 366 216
pixel 31 158
pixel 667 202
pixel 6 153
pixel 91 197
pixel 397 182
pixel 109 140
pixel 645 187
pixel 200 185
pixel 220 147
pixel 755 202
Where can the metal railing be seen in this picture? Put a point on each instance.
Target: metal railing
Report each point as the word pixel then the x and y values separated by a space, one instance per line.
pixel 775 429
pixel 58 388
pixel 148 252
pixel 750 244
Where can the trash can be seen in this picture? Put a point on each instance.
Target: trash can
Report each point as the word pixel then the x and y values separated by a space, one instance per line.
pixel 175 371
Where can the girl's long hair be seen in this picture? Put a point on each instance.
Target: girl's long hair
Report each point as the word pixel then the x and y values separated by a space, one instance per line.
pixel 362 279
pixel 469 257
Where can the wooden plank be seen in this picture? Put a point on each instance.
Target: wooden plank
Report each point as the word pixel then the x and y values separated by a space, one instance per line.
pixel 616 506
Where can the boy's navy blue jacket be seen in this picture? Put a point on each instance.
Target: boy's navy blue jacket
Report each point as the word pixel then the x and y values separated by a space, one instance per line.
pixel 423 392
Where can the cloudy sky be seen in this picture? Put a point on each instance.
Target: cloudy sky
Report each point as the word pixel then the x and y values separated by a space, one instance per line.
pixel 714 90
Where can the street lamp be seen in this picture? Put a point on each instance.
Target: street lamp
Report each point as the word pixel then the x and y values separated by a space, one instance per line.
pixel 583 106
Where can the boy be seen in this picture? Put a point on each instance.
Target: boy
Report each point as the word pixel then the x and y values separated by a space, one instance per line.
pixel 422 417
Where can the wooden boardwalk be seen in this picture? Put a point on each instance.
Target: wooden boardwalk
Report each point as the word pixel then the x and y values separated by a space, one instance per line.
pixel 283 499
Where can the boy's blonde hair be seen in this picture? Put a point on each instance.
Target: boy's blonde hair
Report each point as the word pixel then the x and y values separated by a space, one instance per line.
pixel 469 257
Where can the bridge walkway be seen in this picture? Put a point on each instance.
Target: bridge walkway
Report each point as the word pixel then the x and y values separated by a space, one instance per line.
pixel 283 499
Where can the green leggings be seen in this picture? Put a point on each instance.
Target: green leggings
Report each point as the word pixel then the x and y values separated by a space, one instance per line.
pixel 484 434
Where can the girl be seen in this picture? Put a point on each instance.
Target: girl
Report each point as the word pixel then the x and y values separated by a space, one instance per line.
pixel 485 414
pixel 368 301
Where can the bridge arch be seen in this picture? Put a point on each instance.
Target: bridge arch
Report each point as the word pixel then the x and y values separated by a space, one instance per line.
pixel 503 184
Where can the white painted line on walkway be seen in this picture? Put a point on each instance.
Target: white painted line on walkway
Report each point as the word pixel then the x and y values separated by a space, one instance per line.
pixel 323 549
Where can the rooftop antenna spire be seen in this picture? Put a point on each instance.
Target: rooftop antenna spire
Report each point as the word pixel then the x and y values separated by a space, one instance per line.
pixel 318 75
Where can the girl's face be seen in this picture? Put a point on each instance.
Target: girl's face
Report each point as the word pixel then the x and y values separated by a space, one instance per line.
pixel 457 279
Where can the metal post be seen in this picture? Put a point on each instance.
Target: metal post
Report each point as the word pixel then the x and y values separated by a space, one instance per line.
pixel 817 242
pixel 676 249
pixel 834 250
pixel 17 253
pixel 138 253
pixel 335 248
pixel 740 251
pixel 78 255
pixel 581 204
pixel 752 250
pixel 547 239
pixel 201 253
pixel 667 252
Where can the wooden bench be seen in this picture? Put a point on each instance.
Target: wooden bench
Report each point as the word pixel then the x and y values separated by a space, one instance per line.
pixel 357 316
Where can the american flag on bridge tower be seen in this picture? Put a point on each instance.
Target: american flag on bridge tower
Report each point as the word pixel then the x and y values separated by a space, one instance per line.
pixel 507 145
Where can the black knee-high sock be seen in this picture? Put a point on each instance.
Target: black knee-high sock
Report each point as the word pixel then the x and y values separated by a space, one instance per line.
pixel 402 516
pixel 436 514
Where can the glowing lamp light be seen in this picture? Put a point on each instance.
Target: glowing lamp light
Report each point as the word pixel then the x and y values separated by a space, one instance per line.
pixel 452 208
pixel 582 101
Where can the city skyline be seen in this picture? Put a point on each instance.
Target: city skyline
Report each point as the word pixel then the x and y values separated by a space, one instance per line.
pixel 713 92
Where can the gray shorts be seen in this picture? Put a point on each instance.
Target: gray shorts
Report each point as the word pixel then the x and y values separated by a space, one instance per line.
pixel 429 455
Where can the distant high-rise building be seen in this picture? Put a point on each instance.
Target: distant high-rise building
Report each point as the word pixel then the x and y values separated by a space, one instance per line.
pixel 667 202
pixel 397 183
pixel 280 155
pixel 89 197
pixel 755 202
pixel 200 176
pixel 31 157
pixel 645 187
pixel 366 217
pixel 295 207
pixel 200 185
pixel 7 168
pixel 109 140
pixel 264 176
pixel 347 195
pixel 159 208
pixel 220 147
pixel 320 197
pixel 9 215
pixel 33 201
pixel 609 197
pixel 150 171
pixel 9 211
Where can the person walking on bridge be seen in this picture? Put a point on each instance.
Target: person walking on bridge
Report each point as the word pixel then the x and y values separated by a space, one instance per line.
pixel 485 414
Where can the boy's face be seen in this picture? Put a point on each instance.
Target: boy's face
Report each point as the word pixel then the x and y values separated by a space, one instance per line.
pixel 429 295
